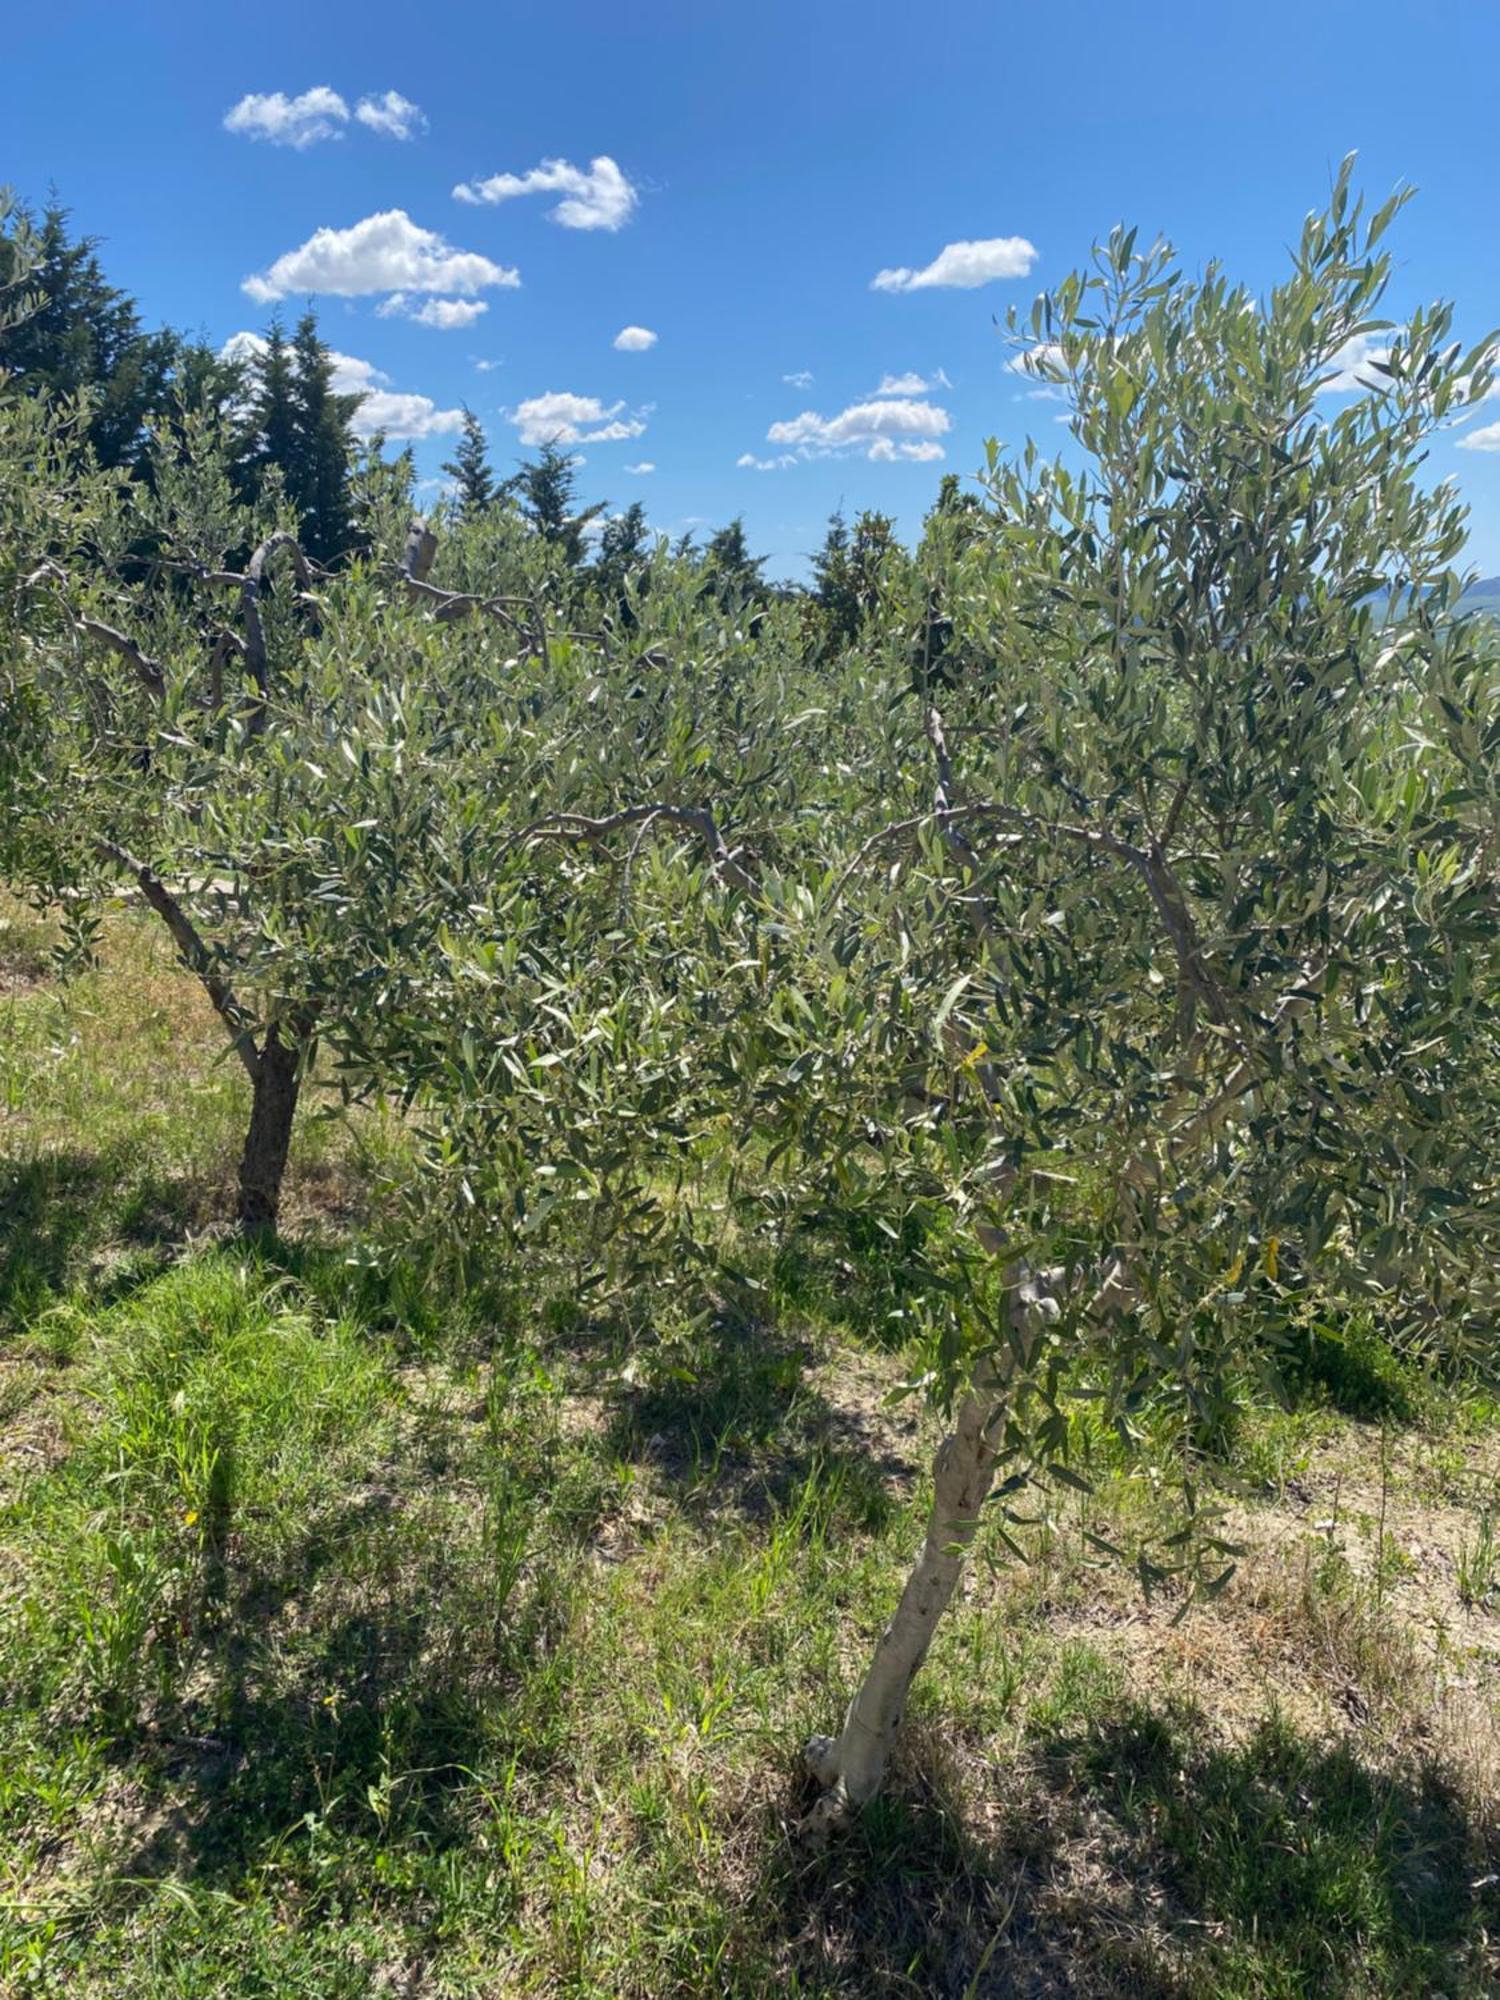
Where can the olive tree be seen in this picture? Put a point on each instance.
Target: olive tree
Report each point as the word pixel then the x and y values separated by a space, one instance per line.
pixel 269 756
pixel 1160 985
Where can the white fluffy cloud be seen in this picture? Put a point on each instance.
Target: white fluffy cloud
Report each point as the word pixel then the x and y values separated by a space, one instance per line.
pixel 1043 364
pixel 963 265
pixel 884 428
pixel 397 413
pixel 402 415
pixel 887 450
pixel 391 115
pixel 319 113
pixel 1044 361
pixel 645 466
pixel 634 339
pixel 444 313
pixel 384 253
pixel 1353 366
pixel 1485 439
pixel 801 378
pixel 912 384
pixel 751 463
pixel 599 198
pixel 242 347
pixel 559 417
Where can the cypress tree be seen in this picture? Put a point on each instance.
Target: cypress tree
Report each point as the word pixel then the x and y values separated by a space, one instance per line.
pixel 318 479
pixel 469 468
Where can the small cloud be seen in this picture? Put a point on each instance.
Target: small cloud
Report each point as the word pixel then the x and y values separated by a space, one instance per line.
pixel 242 346
pixel 401 415
pixel 559 417
pixel 751 463
pixel 1045 360
pixel 963 266
pixel 1361 364
pixel 391 115
pixel 802 379
pixel 886 450
pixel 383 253
pixel 1486 439
pixel 884 428
pixel 443 313
pixel 319 113
pixel 912 384
pixel 599 198
pixel 1044 363
pixel 642 469
pixel 634 339
pixel 1356 365
pixel 488 367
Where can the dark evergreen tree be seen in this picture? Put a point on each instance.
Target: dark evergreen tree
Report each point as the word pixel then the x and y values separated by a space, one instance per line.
pixel 623 549
pixel 956 516
pixel 83 334
pixel 271 412
pixel 297 423
pixel 318 477
pixel 469 469
pixel 729 568
pixel 833 586
pixel 545 489
pixel 852 575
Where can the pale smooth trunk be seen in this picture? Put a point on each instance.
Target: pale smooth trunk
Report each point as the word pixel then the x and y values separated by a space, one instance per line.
pixel 852 1765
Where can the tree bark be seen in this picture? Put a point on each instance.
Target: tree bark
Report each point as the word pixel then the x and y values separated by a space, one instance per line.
pixel 851 1766
pixel 276 1088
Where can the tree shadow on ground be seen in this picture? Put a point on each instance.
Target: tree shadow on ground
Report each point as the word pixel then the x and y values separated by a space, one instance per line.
pixel 1147 1857
pixel 69 1215
pixel 315 1703
pixel 730 1422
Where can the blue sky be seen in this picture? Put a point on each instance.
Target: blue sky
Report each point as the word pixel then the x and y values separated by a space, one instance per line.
pixel 763 164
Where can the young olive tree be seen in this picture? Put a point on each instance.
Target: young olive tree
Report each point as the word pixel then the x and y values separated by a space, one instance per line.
pixel 269 756
pixel 1161 984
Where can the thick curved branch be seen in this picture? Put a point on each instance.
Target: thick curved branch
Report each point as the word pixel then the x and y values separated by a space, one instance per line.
pixel 694 819
pixel 448 605
pixel 147 671
pixel 253 586
pixel 195 953
pixel 225 646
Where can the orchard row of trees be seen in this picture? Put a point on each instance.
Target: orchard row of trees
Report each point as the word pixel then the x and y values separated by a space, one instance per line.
pixel 1103 908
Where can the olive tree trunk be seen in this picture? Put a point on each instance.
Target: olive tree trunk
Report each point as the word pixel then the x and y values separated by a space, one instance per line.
pixel 851 1766
pixel 275 1087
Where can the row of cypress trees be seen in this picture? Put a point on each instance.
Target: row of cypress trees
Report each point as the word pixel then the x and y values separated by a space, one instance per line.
pixel 286 422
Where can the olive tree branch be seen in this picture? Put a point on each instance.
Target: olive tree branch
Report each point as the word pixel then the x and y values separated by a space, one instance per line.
pixel 147 671
pixel 195 953
pixel 573 826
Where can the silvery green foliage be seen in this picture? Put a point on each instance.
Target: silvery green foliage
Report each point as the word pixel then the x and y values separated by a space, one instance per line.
pixel 1120 908
pixel 1154 937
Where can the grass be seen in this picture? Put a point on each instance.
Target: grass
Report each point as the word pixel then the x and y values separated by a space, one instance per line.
pixel 354 1640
